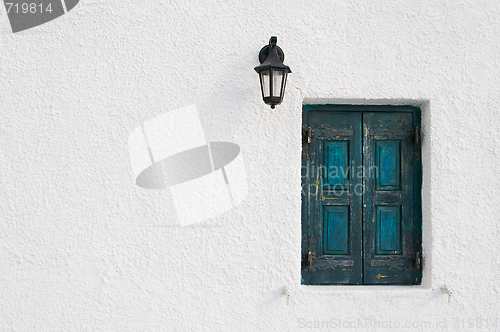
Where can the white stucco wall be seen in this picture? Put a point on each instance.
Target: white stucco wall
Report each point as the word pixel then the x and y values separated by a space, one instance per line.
pixel 83 248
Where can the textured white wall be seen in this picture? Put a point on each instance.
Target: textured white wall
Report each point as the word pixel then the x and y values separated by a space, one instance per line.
pixel 83 248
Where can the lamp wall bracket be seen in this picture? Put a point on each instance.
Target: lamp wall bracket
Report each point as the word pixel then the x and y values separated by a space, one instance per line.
pixel 264 52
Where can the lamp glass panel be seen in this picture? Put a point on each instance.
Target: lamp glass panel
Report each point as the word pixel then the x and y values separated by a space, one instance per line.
pixel 284 84
pixel 265 81
pixel 277 80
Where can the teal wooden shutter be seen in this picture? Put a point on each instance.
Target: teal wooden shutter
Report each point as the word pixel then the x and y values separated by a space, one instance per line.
pixel 332 252
pixel 390 225
pixel 361 180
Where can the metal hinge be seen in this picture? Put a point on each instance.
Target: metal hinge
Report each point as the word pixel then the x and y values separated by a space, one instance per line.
pixel 418 135
pixel 307 132
pixel 306 141
pixel 418 260
pixel 310 260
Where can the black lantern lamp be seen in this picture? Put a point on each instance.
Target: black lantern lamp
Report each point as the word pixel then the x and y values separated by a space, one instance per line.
pixel 272 72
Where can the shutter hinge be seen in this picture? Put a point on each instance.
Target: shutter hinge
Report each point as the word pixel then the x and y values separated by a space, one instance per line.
pixel 306 140
pixel 418 260
pixel 418 135
pixel 307 134
pixel 310 260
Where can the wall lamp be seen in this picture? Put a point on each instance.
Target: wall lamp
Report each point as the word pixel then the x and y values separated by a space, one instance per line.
pixel 272 72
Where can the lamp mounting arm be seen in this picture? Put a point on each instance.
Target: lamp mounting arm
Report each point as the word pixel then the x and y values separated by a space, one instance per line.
pixel 264 52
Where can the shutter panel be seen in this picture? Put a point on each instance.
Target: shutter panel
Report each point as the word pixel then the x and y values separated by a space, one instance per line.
pixel 333 212
pixel 390 225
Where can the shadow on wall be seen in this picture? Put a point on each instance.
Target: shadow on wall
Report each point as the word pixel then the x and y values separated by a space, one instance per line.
pixel 25 15
pixel 205 179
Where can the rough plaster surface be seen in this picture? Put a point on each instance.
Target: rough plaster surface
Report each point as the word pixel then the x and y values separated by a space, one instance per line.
pixel 83 248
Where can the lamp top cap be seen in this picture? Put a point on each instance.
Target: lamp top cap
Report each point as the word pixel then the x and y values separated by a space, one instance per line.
pixel 272 56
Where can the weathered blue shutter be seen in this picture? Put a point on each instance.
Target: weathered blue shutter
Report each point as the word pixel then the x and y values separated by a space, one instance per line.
pixel 391 216
pixel 332 151
pixel 361 180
